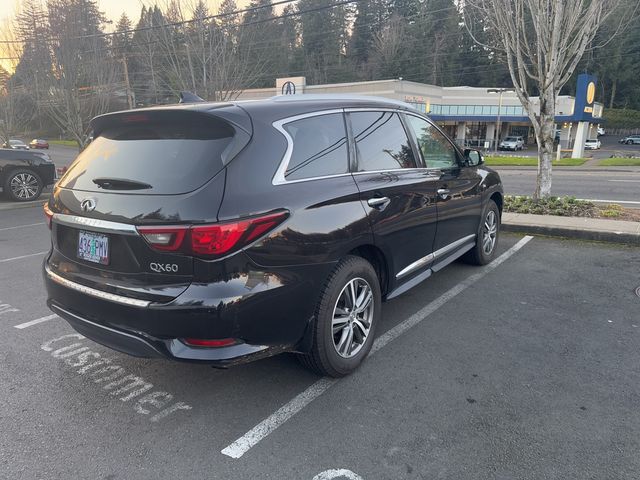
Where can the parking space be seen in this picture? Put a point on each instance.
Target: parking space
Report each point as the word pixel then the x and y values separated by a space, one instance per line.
pixel 527 368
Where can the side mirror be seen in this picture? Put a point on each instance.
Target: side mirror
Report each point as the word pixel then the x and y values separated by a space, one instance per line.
pixel 473 157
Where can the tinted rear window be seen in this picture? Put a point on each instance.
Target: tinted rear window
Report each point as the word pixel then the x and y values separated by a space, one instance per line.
pixel 170 157
pixel 319 147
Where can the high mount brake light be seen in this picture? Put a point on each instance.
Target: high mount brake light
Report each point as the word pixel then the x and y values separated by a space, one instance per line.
pixel 211 240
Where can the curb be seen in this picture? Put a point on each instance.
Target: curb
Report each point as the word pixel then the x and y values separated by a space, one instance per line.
pixel 16 205
pixel 608 236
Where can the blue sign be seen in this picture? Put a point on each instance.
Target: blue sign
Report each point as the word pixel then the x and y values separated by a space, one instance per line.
pixel 585 98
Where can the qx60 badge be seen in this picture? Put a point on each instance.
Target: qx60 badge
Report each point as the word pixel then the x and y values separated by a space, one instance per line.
pixel 164 267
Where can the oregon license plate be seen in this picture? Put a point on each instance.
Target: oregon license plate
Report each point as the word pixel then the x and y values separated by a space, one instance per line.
pixel 93 247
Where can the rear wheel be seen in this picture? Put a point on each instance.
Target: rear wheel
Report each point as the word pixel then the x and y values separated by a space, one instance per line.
pixel 23 185
pixel 487 236
pixel 346 318
pixel 629 142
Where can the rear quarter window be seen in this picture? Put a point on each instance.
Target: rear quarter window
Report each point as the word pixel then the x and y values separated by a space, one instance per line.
pixel 319 147
pixel 172 158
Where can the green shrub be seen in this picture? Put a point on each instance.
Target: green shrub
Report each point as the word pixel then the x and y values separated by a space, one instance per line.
pixel 560 206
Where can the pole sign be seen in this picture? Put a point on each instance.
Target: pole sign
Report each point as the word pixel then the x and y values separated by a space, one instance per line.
pixel 585 97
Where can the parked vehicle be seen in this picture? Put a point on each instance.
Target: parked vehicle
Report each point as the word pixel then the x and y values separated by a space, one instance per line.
pixel 15 145
pixel 39 143
pixel 241 230
pixel 512 143
pixel 592 144
pixel 601 132
pixel 630 139
pixel 23 174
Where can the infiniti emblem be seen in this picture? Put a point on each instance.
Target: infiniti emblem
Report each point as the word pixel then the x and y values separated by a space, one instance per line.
pixel 88 204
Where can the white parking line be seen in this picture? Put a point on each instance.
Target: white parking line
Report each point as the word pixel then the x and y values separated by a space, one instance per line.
pixel 35 322
pixel 243 444
pixel 23 256
pixel 22 226
pixel 625 181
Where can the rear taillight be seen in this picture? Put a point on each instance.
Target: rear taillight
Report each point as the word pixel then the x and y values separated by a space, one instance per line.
pixel 166 239
pixel 48 214
pixel 213 240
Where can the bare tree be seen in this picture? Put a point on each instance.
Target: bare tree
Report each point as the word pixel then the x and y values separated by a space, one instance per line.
pixel 389 43
pixel 16 105
pixel 82 82
pixel 542 41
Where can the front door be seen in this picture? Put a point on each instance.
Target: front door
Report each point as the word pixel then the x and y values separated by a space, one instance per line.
pixel 399 197
pixel 458 187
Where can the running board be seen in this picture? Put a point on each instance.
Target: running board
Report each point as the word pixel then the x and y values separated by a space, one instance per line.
pixel 427 273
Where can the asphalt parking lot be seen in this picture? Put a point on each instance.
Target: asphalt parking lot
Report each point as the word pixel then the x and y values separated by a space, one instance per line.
pixel 528 368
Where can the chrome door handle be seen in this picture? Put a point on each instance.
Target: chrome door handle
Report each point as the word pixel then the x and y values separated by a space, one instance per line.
pixel 379 202
pixel 444 193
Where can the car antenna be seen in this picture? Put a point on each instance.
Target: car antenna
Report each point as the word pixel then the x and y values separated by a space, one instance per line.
pixel 188 97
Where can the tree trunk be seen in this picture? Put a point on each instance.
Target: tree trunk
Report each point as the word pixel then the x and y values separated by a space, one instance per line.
pixel 613 92
pixel 545 143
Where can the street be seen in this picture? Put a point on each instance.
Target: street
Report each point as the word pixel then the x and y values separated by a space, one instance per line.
pixel 610 186
pixel 526 368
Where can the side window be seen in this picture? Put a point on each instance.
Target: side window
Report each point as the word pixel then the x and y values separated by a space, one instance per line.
pixel 381 141
pixel 319 147
pixel 436 150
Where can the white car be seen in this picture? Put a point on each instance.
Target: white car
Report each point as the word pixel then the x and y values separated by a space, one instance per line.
pixel 601 132
pixel 592 144
pixel 512 143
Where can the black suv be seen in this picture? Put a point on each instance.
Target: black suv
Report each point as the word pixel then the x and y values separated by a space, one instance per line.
pixel 224 233
pixel 23 174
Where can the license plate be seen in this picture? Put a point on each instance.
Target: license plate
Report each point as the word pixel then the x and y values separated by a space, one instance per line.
pixel 93 247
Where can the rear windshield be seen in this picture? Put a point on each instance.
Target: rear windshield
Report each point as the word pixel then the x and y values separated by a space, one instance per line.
pixel 151 158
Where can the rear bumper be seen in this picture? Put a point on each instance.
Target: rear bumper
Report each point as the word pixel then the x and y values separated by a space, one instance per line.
pixel 138 345
pixel 269 318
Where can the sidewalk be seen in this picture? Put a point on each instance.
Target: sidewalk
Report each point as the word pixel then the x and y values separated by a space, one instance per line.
pixel 616 231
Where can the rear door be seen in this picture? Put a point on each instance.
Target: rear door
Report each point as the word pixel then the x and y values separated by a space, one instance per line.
pixel 457 187
pixel 397 194
pixel 148 169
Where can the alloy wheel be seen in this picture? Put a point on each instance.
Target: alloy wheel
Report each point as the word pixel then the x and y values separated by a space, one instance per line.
pixel 352 317
pixel 24 186
pixel 489 232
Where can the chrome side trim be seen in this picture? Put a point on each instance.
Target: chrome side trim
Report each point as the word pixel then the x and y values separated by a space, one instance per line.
pixel 452 246
pixel 278 177
pixel 134 302
pixel 421 262
pixel 426 260
pixel 94 224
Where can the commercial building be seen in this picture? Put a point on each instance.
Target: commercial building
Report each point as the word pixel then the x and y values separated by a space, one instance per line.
pixel 473 116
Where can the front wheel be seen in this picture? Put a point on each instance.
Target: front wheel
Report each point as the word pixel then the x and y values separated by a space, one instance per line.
pixel 487 237
pixel 23 186
pixel 629 142
pixel 346 318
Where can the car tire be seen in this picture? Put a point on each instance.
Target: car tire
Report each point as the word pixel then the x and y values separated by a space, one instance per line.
pixel 629 142
pixel 23 185
pixel 341 335
pixel 488 232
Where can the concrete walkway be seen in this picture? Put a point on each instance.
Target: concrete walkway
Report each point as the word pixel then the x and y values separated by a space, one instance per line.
pixel 616 231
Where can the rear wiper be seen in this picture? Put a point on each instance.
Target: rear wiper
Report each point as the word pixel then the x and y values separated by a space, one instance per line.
pixel 120 184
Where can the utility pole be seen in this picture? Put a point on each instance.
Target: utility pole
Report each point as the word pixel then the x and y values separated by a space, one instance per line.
pixel 499 91
pixel 131 99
